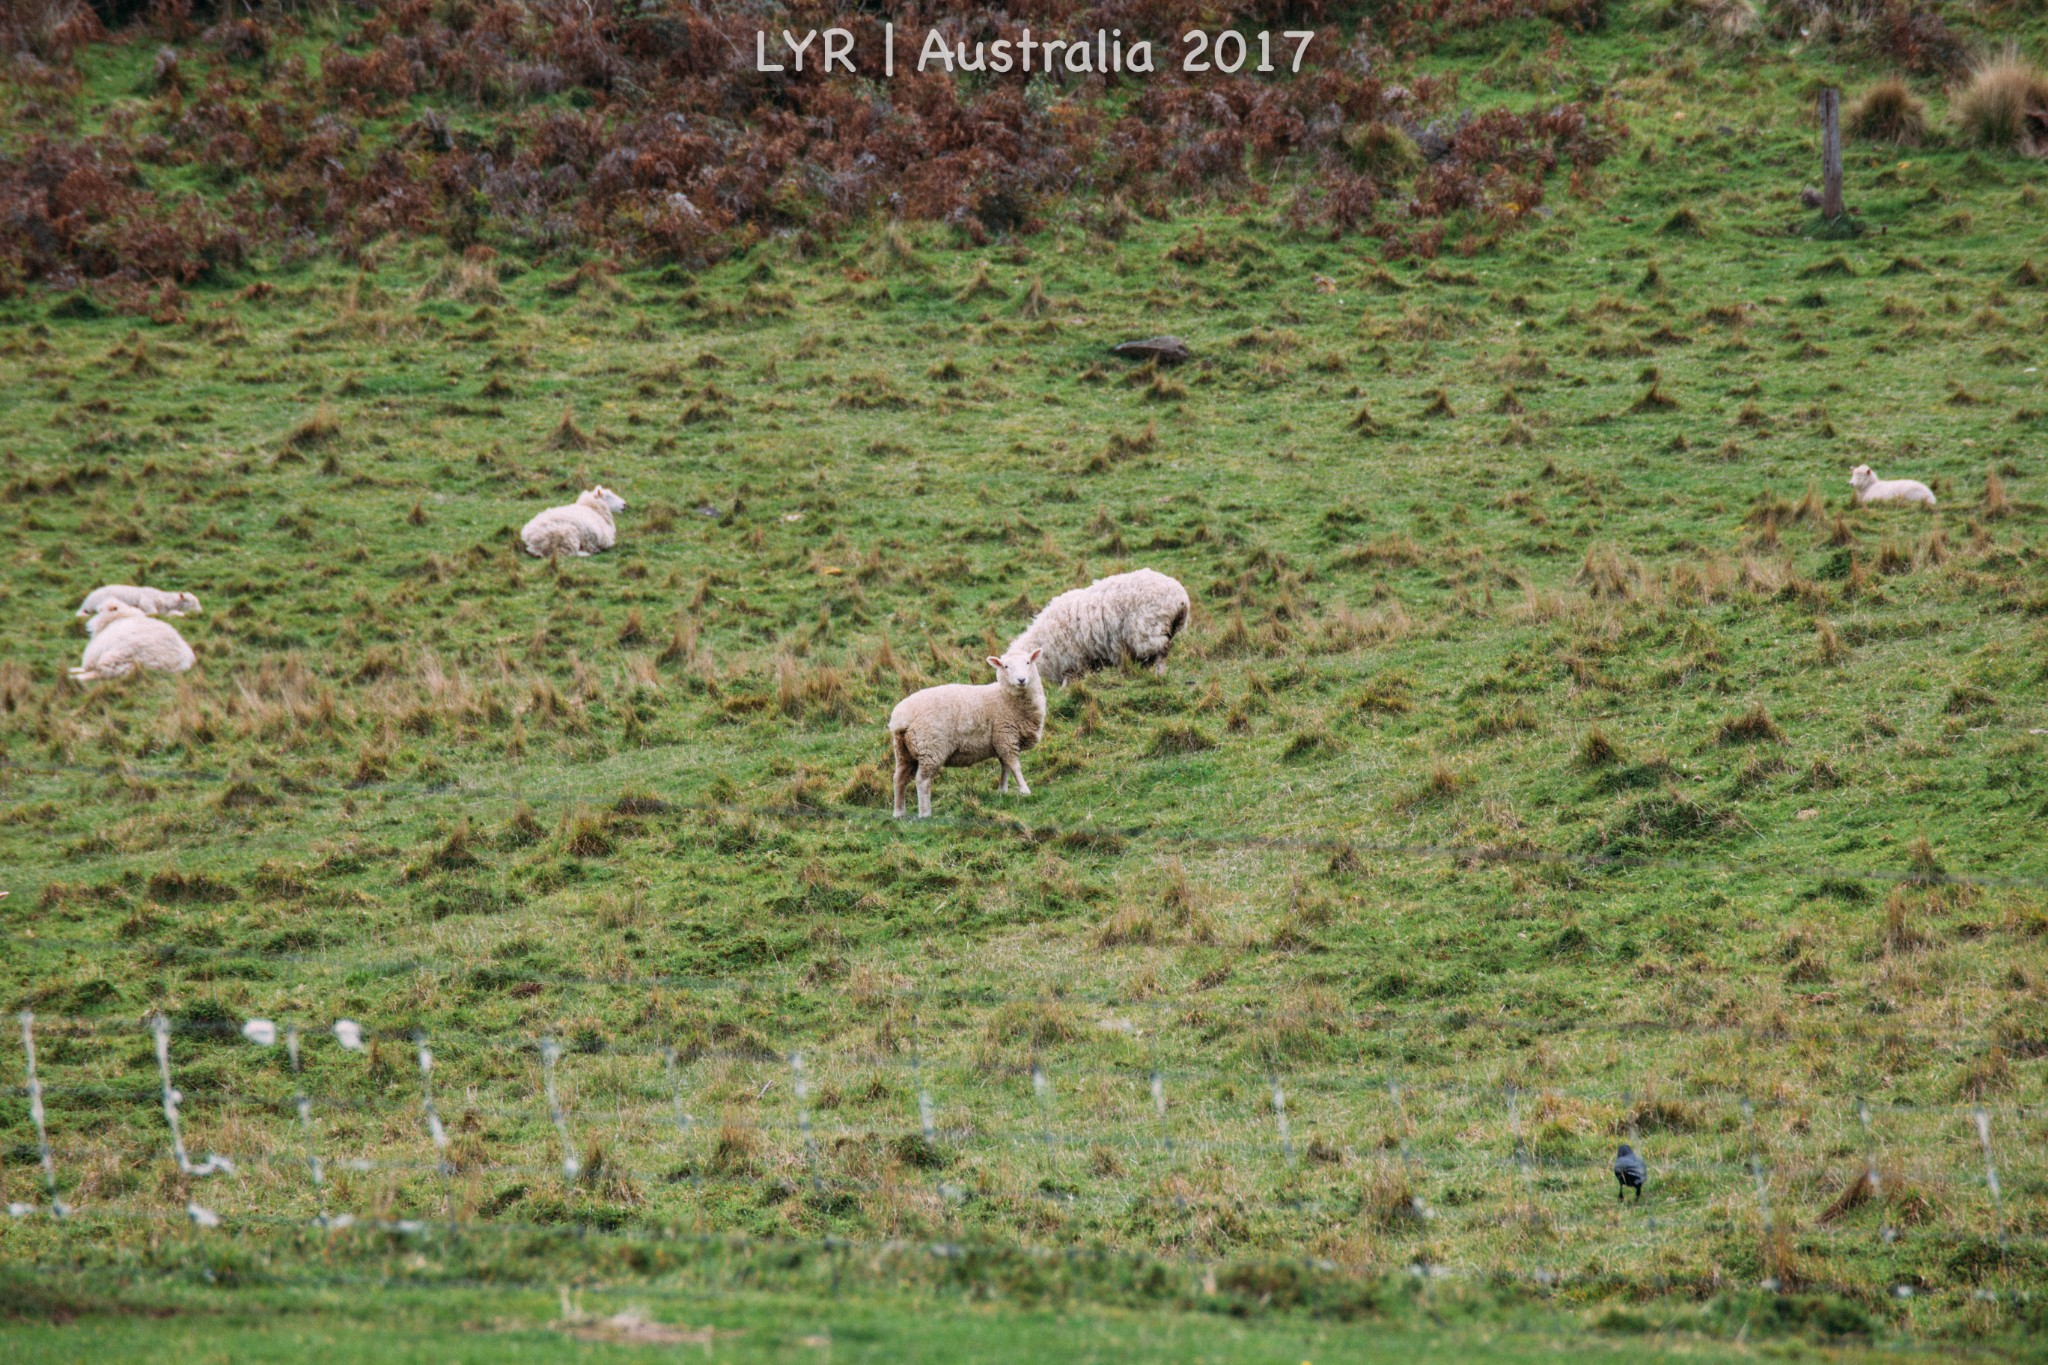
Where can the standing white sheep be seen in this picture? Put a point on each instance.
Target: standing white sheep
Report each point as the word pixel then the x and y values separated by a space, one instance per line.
pixel 148 601
pixel 1870 488
pixel 1128 615
pixel 125 639
pixel 959 724
pixel 581 528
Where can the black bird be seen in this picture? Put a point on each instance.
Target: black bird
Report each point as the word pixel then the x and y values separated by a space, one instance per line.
pixel 1630 1171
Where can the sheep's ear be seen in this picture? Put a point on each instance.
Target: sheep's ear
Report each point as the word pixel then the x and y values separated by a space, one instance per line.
pixel 1034 657
pixel 995 663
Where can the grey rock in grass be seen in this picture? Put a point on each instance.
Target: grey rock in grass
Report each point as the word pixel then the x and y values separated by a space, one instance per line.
pixel 1166 350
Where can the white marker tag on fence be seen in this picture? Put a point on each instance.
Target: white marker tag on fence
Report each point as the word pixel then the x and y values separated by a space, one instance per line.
pixel 261 1032
pixel 349 1034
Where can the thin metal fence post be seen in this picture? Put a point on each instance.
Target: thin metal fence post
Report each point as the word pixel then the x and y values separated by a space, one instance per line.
pixel 35 1112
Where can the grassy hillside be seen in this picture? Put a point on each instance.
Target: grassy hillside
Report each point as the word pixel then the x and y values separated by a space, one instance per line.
pixel 1557 757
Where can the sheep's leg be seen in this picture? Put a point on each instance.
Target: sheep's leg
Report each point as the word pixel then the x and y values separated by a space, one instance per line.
pixel 925 773
pixel 903 775
pixel 1015 769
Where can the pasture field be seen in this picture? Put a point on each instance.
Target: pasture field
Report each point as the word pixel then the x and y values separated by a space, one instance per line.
pixel 747 1325
pixel 1557 758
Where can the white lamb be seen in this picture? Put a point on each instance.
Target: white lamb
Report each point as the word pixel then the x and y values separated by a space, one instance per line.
pixel 148 601
pixel 582 528
pixel 958 725
pixel 125 639
pixel 1127 615
pixel 1870 488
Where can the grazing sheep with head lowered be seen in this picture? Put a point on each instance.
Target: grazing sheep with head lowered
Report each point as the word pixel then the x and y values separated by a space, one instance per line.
pixel 582 528
pixel 1870 488
pixel 958 725
pixel 148 601
pixel 1128 615
pixel 125 639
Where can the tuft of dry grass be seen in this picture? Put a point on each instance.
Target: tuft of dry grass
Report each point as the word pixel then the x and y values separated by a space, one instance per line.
pixel 1167 914
pixel 584 835
pixel 1036 304
pixel 2004 104
pixel 1888 111
pixel 1828 642
pixel 1926 862
pixel 737 1151
pixel 473 279
pixel 315 430
pixel 1443 783
pixel 1995 502
pixel 868 786
pixel 1902 1201
pixel 821 690
pixel 1597 750
pixel 1654 399
pixel 1609 575
pixel 1172 739
pixel 980 286
pixel 1387 1201
pixel 1753 726
pixel 1901 934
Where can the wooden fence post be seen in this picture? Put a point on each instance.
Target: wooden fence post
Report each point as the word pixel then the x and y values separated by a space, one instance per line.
pixel 1831 153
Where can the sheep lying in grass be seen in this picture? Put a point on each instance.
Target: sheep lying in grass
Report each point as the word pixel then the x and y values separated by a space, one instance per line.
pixel 124 638
pixel 148 601
pixel 1128 615
pixel 582 528
pixel 958 725
pixel 1870 488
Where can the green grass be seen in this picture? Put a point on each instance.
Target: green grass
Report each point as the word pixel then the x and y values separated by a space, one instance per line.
pixel 792 1308
pixel 750 1326
pixel 1358 835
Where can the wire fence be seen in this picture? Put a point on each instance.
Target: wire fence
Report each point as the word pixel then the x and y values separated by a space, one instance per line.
pixel 656 1143
pixel 1160 1016
pixel 994 1139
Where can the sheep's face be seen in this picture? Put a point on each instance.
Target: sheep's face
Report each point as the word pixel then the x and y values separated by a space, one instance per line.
pixel 186 605
pixel 612 501
pixel 1860 477
pixel 1017 670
